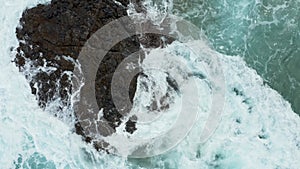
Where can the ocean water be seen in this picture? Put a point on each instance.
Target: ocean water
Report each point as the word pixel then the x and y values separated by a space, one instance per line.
pixel 257 128
pixel 264 32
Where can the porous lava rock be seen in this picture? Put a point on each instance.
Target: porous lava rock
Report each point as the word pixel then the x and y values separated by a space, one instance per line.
pixel 50 39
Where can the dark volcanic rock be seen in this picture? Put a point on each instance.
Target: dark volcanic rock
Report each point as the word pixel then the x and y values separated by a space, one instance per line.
pixel 52 36
pixel 50 39
pixel 49 32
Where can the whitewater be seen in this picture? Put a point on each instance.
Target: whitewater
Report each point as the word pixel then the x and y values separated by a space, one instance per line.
pixel 257 129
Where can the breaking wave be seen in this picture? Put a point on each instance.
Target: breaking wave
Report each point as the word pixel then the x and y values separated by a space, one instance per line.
pixel 258 128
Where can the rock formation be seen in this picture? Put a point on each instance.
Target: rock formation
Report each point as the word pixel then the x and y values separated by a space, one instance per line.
pixel 50 39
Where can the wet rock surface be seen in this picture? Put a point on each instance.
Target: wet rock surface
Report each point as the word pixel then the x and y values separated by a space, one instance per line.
pixel 49 32
pixel 50 39
pixel 52 35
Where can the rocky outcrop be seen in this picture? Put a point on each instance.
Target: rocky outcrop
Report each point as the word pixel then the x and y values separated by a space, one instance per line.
pixel 50 39
pixel 52 35
pixel 50 32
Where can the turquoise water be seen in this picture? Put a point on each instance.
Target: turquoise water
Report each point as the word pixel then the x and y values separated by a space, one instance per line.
pixel 258 127
pixel 266 33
